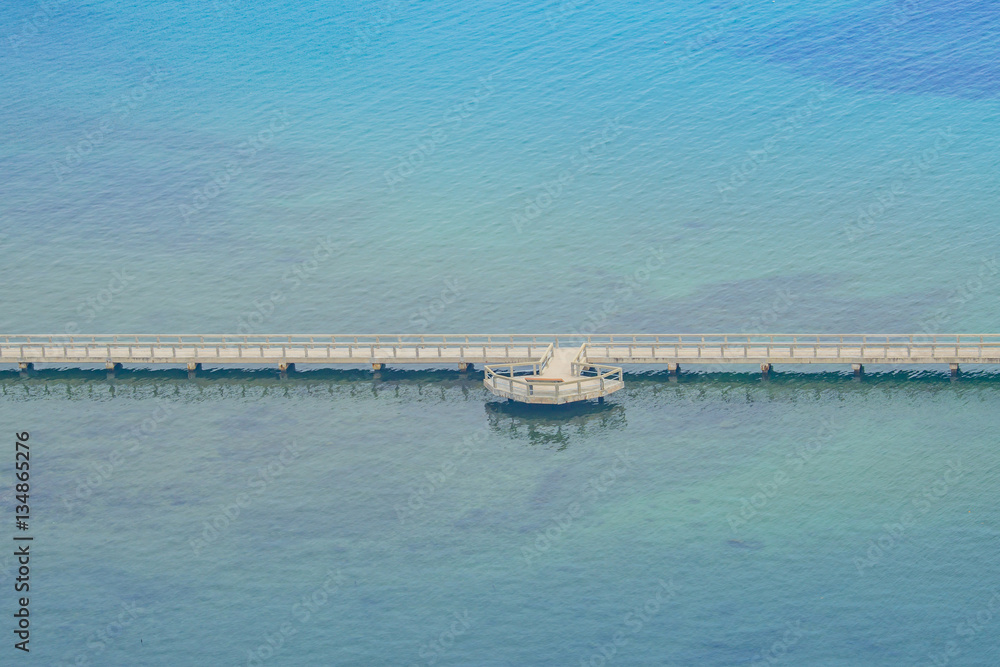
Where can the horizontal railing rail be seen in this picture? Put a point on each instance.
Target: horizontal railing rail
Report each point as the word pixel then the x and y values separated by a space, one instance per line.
pixel 492 339
pixel 161 346
pixel 793 346
pixel 280 339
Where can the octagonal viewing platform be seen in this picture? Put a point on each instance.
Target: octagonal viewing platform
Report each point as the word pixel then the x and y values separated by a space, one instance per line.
pixel 560 375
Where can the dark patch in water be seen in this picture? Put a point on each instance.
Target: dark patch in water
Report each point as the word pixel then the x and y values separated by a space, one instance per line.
pixel 947 48
pixel 548 488
pixel 471 519
pixel 480 517
pixel 743 544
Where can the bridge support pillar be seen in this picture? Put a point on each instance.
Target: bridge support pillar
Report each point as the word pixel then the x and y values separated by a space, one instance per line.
pixel 377 367
pixel 858 369
pixel 286 368
pixel 465 366
pixel 193 368
pixel 673 370
pixel 765 370
pixel 954 370
pixel 25 366
pixel 112 368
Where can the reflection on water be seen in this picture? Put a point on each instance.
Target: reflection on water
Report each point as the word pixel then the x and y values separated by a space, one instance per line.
pixel 552 424
pixel 75 383
pixel 444 385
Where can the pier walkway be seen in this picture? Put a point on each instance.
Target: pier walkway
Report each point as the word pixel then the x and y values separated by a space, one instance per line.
pixel 544 368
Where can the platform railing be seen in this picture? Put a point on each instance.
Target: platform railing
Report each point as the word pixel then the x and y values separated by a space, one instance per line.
pixel 509 372
pixel 569 389
pixel 523 381
pixel 579 362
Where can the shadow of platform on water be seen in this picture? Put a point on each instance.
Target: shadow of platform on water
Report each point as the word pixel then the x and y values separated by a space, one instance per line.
pixel 552 424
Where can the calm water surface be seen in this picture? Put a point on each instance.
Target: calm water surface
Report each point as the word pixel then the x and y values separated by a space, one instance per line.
pixel 587 166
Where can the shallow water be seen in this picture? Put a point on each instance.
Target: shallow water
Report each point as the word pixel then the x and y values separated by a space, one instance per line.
pixel 756 505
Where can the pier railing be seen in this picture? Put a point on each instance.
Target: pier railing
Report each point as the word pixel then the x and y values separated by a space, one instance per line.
pixel 505 348
pixel 495 339
pixel 167 348
pixel 802 348
pixel 280 339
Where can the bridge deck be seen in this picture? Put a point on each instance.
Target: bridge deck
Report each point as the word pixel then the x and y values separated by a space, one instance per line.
pixel 574 368
pixel 490 349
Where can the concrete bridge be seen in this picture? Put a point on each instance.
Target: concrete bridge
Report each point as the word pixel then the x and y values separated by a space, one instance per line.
pixel 543 368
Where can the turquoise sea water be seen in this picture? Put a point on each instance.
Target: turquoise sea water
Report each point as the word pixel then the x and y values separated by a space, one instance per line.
pixel 519 167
